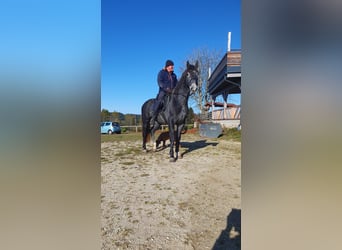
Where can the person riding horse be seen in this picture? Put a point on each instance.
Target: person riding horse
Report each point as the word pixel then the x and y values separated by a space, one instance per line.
pixel 167 80
pixel 174 113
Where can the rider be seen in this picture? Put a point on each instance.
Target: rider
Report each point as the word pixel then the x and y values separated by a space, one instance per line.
pixel 167 80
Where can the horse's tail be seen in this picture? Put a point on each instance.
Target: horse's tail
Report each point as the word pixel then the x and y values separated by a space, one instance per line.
pixel 146 133
pixel 146 117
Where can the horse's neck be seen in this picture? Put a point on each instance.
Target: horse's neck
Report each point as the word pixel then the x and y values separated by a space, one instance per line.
pixel 181 88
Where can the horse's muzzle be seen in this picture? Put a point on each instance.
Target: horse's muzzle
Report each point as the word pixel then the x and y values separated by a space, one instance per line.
pixel 193 87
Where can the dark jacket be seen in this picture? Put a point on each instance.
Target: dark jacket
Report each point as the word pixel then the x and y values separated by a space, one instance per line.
pixel 166 81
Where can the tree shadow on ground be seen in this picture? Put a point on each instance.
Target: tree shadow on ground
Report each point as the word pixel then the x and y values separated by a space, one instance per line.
pixel 230 237
pixel 191 146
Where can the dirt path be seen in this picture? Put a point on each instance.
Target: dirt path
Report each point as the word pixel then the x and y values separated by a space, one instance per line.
pixel 150 203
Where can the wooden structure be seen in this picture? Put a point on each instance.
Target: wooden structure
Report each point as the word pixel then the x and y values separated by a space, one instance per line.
pixel 225 80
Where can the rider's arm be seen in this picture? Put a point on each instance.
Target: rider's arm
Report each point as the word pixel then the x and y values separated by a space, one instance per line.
pixel 163 81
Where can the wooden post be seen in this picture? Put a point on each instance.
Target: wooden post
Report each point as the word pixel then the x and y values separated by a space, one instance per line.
pixel 225 96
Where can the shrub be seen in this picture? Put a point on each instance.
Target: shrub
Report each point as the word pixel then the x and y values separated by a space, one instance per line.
pixel 232 133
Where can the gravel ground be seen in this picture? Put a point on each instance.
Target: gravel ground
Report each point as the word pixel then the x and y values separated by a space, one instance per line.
pixel 148 202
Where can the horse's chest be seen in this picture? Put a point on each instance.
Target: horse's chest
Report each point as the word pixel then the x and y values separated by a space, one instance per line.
pixel 180 115
pixel 177 111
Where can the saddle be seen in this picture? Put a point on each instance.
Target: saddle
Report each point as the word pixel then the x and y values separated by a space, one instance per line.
pixel 164 103
pixel 162 107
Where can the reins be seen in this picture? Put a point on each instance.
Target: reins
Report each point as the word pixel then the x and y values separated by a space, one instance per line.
pixel 174 91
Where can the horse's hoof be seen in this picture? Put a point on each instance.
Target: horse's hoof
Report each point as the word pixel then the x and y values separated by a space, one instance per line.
pixel 172 159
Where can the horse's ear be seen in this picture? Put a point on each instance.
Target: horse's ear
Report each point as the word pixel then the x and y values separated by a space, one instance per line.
pixel 196 65
pixel 187 64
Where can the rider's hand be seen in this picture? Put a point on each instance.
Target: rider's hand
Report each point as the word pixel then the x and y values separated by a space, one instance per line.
pixel 168 90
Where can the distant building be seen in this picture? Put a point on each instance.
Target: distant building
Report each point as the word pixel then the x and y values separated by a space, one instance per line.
pixel 225 80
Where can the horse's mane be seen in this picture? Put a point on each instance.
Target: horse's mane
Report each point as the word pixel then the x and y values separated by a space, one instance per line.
pixel 181 80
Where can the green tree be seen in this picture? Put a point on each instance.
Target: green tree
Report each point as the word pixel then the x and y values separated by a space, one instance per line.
pixel 131 119
pixel 190 118
pixel 105 115
pixel 117 117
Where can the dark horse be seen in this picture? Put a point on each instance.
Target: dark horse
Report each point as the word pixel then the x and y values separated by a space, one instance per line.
pixel 174 111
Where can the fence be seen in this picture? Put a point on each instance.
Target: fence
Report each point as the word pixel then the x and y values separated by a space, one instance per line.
pixel 231 113
pixel 228 113
pixel 138 128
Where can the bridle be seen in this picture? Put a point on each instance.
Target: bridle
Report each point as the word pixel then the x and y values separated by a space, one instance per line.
pixel 191 83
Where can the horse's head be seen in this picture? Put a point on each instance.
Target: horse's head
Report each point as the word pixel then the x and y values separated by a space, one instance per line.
pixel 192 76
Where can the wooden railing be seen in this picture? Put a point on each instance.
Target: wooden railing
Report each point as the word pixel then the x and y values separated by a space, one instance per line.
pixel 226 114
pixel 138 128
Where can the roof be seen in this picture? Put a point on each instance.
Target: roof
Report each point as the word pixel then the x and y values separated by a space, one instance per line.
pixel 226 78
pixel 221 104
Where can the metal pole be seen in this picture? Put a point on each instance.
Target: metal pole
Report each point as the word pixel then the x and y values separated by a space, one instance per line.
pixel 229 35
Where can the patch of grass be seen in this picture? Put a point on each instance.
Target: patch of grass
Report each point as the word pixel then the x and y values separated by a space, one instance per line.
pixel 181 223
pixel 128 151
pixel 185 206
pixel 126 232
pixel 128 163
pixel 135 150
pixel 113 205
pixel 236 196
pixel 120 154
pixel 165 215
pixel 121 137
pixel 235 150
pixel 231 134
pixel 151 202
pixel 157 186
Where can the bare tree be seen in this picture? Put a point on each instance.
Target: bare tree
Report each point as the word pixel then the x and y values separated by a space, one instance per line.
pixel 208 60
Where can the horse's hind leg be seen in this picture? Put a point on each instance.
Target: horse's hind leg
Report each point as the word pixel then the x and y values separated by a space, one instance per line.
pixel 145 132
pixel 153 141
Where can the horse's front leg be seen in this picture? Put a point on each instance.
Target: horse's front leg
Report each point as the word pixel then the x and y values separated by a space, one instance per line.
pixel 172 141
pixel 178 135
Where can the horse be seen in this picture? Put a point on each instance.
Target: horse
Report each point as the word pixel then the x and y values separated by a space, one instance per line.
pixel 174 111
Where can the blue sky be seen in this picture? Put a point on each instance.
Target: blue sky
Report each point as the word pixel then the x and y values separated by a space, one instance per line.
pixel 137 37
